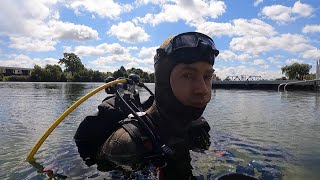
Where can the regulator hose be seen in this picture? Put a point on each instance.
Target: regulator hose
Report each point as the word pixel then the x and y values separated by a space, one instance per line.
pixel 66 113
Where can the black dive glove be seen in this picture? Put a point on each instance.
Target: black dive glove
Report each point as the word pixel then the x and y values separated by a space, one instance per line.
pixel 199 137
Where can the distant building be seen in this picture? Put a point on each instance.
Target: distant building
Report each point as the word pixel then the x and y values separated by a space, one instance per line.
pixel 8 71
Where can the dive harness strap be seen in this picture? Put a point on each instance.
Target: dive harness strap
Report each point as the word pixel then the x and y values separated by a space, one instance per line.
pixel 133 127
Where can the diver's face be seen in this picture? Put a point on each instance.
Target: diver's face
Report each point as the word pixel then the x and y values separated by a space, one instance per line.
pixel 192 83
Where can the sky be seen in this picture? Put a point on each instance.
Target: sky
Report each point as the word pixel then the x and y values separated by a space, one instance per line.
pixel 254 37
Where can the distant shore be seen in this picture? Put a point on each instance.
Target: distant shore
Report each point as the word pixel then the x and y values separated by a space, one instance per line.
pixel 312 85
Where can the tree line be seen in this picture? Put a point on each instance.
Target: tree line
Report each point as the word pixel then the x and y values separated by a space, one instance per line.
pixel 75 71
pixel 297 71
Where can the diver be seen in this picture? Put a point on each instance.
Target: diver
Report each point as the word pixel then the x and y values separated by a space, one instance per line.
pixel 173 125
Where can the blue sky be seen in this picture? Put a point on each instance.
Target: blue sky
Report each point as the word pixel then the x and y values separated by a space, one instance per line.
pixel 254 37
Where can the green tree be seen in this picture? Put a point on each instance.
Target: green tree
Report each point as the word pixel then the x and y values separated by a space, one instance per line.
pixel 296 71
pixel 72 63
pixel 151 78
pixel 37 74
pixel 53 73
pixel 122 72
pixel 310 76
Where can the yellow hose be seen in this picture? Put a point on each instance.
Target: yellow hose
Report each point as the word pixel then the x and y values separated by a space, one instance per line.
pixel 66 113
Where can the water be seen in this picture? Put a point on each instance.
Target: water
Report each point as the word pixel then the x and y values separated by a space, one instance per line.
pixel 252 131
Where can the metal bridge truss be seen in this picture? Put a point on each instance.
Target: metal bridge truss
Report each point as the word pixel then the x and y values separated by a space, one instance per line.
pixel 243 78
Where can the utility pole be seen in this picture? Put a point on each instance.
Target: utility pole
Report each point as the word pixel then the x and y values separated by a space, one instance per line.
pixel 318 69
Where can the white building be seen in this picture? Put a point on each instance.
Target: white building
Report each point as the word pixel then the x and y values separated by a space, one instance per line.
pixel 8 71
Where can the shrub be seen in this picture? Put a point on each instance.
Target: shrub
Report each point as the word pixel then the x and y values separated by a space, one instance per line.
pixel 16 78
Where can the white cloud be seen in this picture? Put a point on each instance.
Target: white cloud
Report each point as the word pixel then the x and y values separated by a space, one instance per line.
pixel 259 62
pixel 113 62
pixel 216 29
pixel 278 13
pixel 27 62
pixel 227 55
pixel 256 45
pixel 113 58
pixel 102 8
pixel 223 72
pixel 273 60
pixel 39 20
pixel 21 16
pixel 192 12
pixel 245 57
pixel 311 54
pixel 30 44
pixel 239 27
pixel 304 10
pixel 311 29
pixel 283 14
pixel 55 15
pixel 291 61
pixel 70 31
pixel 148 61
pixel 133 48
pixel 291 43
pixel 114 49
pixel 128 32
pixel 151 1
pixel 251 45
pixel 253 27
pixel 103 68
pixel 257 2
pixel 147 53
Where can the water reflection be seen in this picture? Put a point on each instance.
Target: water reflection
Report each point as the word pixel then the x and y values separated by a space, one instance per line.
pixel 73 91
pixel 266 129
pixel 52 86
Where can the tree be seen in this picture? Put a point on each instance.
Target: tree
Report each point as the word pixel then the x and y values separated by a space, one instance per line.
pixel 37 73
pixel 72 63
pixel 53 73
pixel 296 71
pixel 310 76
pixel 122 72
pixel 151 77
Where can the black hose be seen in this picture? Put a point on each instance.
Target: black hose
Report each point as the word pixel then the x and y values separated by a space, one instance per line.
pixel 144 86
pixel 145 126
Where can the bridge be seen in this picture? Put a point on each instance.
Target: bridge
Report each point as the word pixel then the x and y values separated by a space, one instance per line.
pixel 257 82
pixel 243 78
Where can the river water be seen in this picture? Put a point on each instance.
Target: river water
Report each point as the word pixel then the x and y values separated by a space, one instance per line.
pixel 271 134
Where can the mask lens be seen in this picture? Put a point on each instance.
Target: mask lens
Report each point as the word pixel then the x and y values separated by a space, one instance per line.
pixel 205 39
pixel 186 40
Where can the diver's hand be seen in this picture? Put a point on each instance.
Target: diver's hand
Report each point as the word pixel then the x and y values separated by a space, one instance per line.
pixel 199 137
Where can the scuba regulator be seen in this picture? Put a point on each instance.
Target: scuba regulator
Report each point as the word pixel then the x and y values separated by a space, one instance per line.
pixel 128 95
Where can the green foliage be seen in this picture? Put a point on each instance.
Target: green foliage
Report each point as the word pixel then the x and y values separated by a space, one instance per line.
pixel 72 63
pixel 144 76
pixel 76 72
pixel 122 72
pixel 296 71
pixel 311 76
pixel 87 75
pixel 37 74
pixel 16 78
pixel 52 73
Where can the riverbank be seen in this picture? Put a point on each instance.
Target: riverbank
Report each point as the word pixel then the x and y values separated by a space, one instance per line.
pixel 310 85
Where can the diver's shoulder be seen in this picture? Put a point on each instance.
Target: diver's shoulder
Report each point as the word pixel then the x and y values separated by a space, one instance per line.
pixel 119 142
